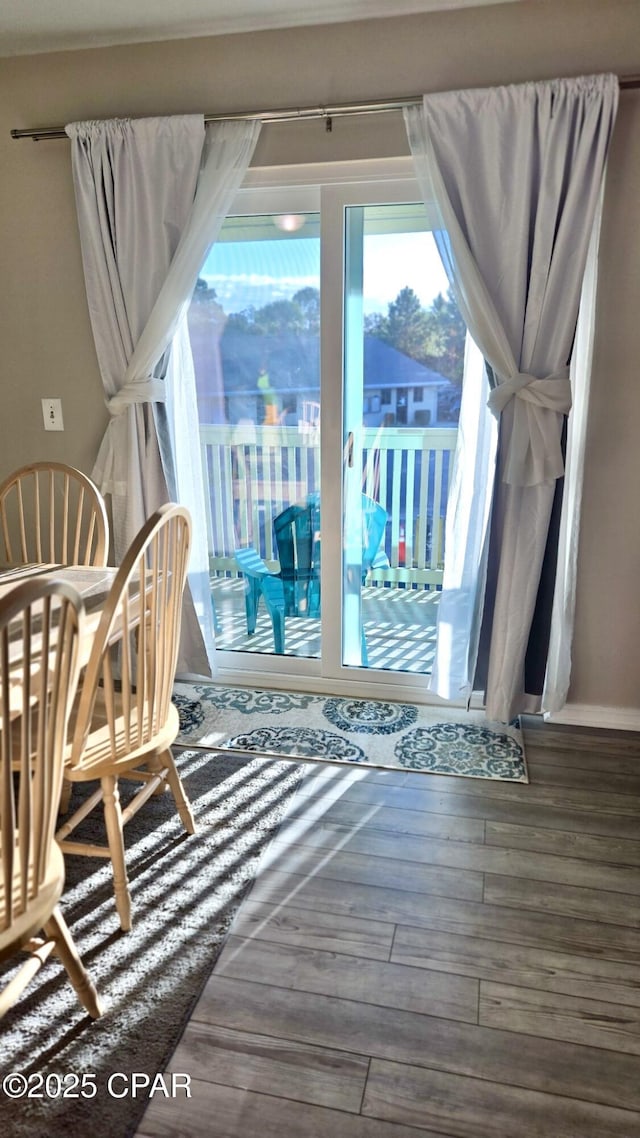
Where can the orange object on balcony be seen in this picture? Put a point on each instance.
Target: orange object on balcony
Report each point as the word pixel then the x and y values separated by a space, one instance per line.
pixel 402 547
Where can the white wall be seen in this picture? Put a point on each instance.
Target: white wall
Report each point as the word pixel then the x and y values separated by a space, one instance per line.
pixel 47 348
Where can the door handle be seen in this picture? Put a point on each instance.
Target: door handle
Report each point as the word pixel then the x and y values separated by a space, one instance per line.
pixel 350 449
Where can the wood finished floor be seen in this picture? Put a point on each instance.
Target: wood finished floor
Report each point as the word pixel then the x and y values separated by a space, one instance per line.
pixel 427 955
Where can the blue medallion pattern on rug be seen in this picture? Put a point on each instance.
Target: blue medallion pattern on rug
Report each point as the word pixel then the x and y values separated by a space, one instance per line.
pixel 248 702
pixel 455 748
pixel 190 712
pixel 369 732
pixel 301 742
pixel 372 716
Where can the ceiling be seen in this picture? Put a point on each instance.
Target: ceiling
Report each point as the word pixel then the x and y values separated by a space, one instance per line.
pixel 30 26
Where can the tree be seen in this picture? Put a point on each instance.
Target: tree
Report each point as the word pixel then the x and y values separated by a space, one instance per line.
pixel 433 336
pixel 406 325
pixel 308 301
pixel 299 316
pixel 452 332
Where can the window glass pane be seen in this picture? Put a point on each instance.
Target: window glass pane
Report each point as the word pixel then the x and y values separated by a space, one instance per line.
pixel 404 359
pixel 254 324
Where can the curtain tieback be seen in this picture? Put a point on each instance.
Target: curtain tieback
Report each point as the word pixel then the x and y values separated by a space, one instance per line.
pixel 553 392
pixel 148 390
pixel 533 453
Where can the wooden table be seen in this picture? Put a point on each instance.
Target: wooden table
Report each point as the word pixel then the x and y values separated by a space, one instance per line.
pixel 89 580
pixel 93 585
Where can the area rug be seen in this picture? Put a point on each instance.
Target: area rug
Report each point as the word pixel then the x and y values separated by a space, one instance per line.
pixel 408 736
pixel 185 891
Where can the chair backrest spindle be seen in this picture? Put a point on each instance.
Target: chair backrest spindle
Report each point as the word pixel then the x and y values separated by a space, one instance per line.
pixel 52 514
pixel 40 624
pixel 145 601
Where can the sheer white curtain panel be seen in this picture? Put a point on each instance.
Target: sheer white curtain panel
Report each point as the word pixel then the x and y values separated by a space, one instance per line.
pixel 134 181
pixel 466 536
pixel 143 188
pixel 515 174
pixel 228 150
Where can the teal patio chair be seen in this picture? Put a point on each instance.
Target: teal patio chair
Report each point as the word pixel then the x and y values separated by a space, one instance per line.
pixel 294 588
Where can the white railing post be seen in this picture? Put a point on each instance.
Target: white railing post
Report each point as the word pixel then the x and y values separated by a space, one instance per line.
pixel 251 474
pixel 420 461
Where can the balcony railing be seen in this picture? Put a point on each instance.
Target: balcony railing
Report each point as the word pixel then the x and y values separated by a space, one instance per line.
pixel 252 473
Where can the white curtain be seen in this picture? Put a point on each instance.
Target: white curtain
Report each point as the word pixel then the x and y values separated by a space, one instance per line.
pixel 151 195
pixel 515 174
pixel 466 538
pixel 558 673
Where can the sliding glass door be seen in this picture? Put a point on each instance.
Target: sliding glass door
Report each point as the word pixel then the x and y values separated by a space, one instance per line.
pixel 328 358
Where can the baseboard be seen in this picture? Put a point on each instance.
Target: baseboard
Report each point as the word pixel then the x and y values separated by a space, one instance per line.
pixel 590 715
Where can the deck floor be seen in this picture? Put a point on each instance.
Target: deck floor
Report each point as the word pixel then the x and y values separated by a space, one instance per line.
pixel 400 626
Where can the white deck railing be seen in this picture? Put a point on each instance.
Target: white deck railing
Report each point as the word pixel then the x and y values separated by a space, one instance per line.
pixel 252 473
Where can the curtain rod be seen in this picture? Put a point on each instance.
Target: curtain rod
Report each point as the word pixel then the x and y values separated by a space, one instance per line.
pixel 287 114
pixel 292 114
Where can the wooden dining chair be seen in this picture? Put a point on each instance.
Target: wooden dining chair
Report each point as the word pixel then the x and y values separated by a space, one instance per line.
pixel 124 721
pixel 40 624
pixel 53 514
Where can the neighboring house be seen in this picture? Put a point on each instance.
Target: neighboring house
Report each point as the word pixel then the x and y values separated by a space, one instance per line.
pixel 397 390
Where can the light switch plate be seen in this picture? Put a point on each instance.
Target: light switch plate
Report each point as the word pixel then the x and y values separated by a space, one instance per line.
pixel 52 414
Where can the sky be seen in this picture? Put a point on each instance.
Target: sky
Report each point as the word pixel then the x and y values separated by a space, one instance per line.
pixel 403 259
pixel 256 272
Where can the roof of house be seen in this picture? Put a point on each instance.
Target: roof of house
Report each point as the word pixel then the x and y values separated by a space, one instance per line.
pixel 293 364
